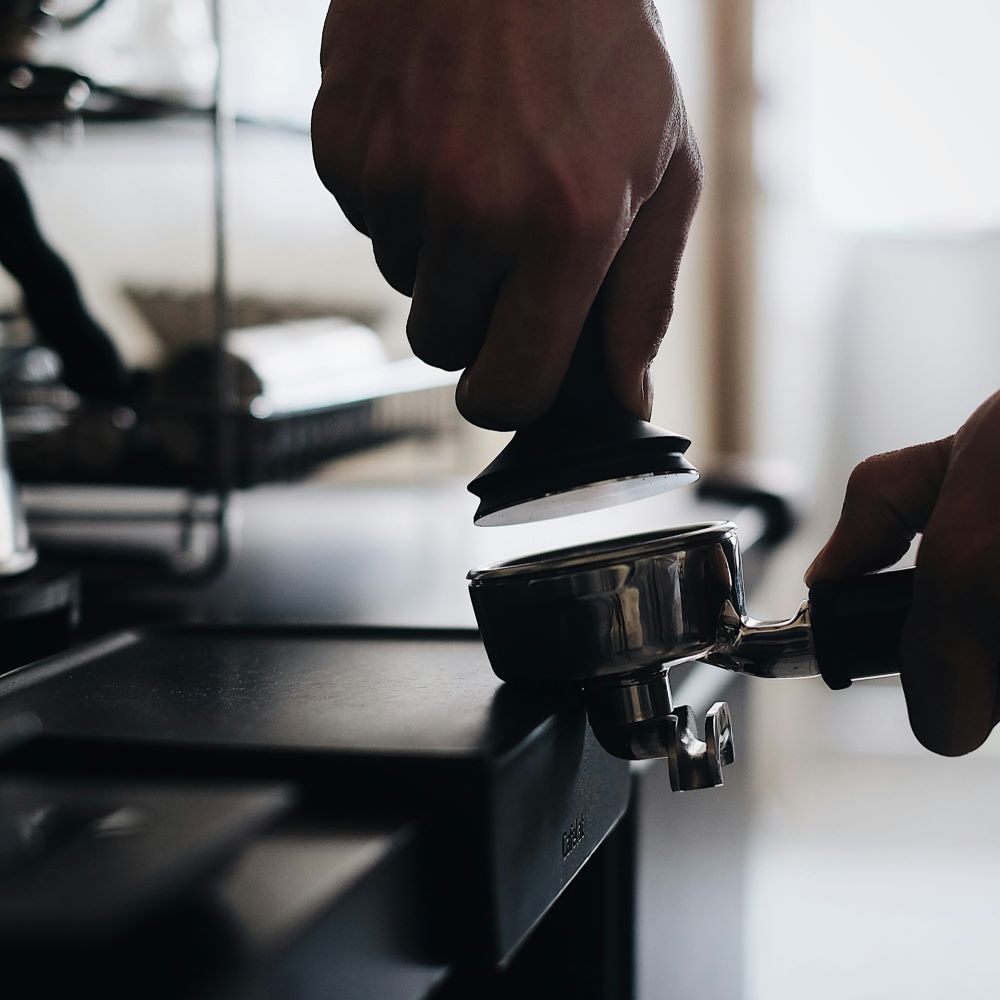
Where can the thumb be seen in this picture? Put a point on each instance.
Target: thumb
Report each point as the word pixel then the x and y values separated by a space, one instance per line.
pixel 889 500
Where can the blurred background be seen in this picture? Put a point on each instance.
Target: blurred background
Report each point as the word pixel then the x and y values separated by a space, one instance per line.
pixel 840 297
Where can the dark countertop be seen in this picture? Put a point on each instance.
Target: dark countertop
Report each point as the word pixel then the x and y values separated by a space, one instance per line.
pixel 336 655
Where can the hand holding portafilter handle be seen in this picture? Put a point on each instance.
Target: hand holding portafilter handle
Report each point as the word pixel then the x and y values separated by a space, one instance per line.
pixel 857 625
pixel 613 611
pixel 613 617
pixel 949 492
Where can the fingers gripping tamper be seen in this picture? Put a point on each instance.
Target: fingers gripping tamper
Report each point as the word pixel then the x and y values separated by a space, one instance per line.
pixel 615 616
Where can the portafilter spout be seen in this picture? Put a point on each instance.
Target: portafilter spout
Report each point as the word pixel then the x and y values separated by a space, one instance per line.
pixel 615 616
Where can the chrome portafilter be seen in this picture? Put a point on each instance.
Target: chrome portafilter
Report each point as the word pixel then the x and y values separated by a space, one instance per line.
pixel 615 616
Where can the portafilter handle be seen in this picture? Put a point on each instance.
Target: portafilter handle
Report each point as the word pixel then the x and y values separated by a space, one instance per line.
pixel 857 625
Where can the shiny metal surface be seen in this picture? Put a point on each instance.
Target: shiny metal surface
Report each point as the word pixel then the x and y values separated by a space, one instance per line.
pixel 623 607
pixel 611 608
pixel 635 718
pixel 615 616
pixel 16 551
pixel 587 497
pixel 694 763
pixel 778 650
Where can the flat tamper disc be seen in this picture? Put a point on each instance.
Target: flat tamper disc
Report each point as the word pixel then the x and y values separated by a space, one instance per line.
pixel 549 472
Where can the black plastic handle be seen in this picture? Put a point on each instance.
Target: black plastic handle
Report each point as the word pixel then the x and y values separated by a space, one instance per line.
pixel 856 625
pixel 586 393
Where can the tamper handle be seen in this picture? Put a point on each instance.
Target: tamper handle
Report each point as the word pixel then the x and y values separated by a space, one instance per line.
pixel 857 625
pixel 586 393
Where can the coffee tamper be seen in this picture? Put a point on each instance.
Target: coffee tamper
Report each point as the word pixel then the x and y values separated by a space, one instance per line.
pixel 585 454
pixel 614 617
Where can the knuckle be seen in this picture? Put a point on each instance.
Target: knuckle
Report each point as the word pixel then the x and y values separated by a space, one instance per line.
pixel 383 173
pixel 449 191
pixel 459 197
pixel 333 158
pixel 551 201
pixel 578 210
pixel 692 168
pixel 867 480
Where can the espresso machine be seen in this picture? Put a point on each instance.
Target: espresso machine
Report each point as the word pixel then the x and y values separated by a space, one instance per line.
pixel 265 745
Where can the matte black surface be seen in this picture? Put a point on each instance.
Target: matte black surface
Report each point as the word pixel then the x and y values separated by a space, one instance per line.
pixel 380 692
pixel 370 720
pixel 585 946
pixel 857 624
pixel 306 910
pixel 325 912
pixel 39 611
pixel 42 590
pixel 81 861
pixel 607 462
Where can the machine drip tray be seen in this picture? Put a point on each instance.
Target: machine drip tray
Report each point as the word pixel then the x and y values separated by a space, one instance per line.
pixel 515 790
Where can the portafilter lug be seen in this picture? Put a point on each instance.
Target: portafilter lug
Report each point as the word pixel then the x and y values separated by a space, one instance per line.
pixel 634 718
pixel 695 763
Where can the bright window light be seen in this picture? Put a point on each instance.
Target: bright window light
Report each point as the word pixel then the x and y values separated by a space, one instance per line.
pixel 903 130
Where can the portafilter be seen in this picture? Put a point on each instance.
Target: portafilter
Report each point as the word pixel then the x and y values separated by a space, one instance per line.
pixel 613 617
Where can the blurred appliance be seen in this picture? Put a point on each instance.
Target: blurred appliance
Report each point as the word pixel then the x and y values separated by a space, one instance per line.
pixel 39 605
pixel 166 447
pixel 133 58
pixel 17 554
pixel 290 395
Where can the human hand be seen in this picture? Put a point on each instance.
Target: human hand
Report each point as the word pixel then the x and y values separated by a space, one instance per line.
pixel 508 158
pixel 950 491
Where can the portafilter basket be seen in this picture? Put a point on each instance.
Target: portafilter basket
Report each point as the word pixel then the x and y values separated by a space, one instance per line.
pixel 613 617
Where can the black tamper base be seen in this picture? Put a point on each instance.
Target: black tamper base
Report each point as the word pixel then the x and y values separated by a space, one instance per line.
pixel 555 469
pixel 585 454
